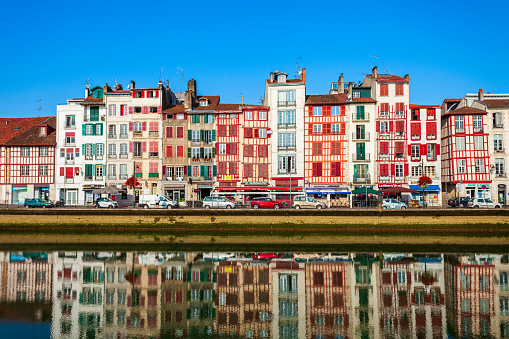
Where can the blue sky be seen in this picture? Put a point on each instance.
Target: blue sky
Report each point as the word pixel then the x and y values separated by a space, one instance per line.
pixel 448 48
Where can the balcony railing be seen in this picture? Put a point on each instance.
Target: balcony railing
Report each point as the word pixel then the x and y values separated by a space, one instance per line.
pixel 460 130
pixel 69 180
pixel 400 113
pixel 501 175
pixel 431 136
pixel 285 103
pixel 112 136
pixel 384 177
pixel 432 158
pixel 416 158
pixel 153 133
pixel 123 176
pixel 399 155
pixel 69 143
pixel 360 157
pixel 499 125
pixel 137 133
pixel 361 179
pixel 153 175
pixel 123 136
pixel 112 156
pixel 416 136
pixel 98 177
pixel 384 155
pixel 89 178
pixel 69 161
pixel 123 156
pixel 286 148
pixel 70 127
pixel 360 136
pixel 360 117
pixel 478 129
pixel 99 157
pixel 399 133
pixel 282 126
pixel 112 177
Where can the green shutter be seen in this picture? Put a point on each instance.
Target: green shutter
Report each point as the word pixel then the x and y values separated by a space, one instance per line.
pixel 188 295
pixel 213 135
pixel 84 129
pixel 102 273
pixel 189 170
pixel 189 152
pixel 83 149
pixel 213 313
pixel 101 129
pixel 202 153
pixel 189 272
pixel 213 152
pixel 88 173
pixel 360 112
pixel 214 173
pixel 94 113
pixel 214 275
pixel 80 317
pixel 100 296
pixel 189 135
pixel 188 313
pixel 93 149
pixel 354 172
pixel 202 134
pixel 205 118
pixel 202 171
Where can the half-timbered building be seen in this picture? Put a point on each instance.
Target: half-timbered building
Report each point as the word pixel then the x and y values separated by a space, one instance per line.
pixel 228 147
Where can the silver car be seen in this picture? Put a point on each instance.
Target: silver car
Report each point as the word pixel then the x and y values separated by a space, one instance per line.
pixel 393 204
pixel 217 202
pixel 483 203
pixel 105 203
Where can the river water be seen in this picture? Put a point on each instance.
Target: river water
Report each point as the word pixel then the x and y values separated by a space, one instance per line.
pixel 79 294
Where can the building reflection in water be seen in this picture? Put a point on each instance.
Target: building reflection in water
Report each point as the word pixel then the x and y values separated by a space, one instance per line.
pixel 301 295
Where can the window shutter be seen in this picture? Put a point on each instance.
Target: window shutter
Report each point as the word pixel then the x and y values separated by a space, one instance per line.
pixel 202 153
pixel 189 152
pixel 134 94
pixel 131 126
pixel 214 171
pixel 310 129
pixel 144 146
pixel 168 151
pixel 159 108
pixel 213 152
pixel 391 126
pixel 157 94
pixel 130 109
pixel 227 148
pixel 62 171
pixel 437 149
pixel 93 149
pixel 130 146
pixel 393 169
pixel 409 150
pixel 216 148
pixel 424 150
pixel 189 134
pixel 310 111
pixel 343 110
pixel 185 170
pixel 378 126
pixel 202 135
pixel 342 128
pixel 213 135
pixel 144 126
pixel 168 131
pixel 354 172
pixel 142 94
pixel 406 169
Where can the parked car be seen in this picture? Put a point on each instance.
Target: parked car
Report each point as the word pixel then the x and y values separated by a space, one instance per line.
pixel 37 203
pixel 217 202
pixel 105 203
pixel 265 256
pixel 463 202
pixel 307 202
pixel 266 203
pixel 393 204
pixel 156 201
pixel 483 203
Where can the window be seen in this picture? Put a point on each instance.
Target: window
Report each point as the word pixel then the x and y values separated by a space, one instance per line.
pixel 123 150
pixel 384 127
pixel 263 150
pixel 335 169
pixel 286 164
pixel 248 150
pixel 497 143
pixel 180 132
pixel 416 170
pixel 248 115
pixel 416 114
pixel 137 149
pixel 317 148
pixel 195 136
pixel 286 98
pixel 384 90
pixel 459 122
pixel 484 282
pixel 70 121
pixel 317 169
pixel 286 140
pixel 137 127
pixel 415 129
pixel 416 152
pixel 477 123
pixel 25 151
pixel 112 110
pixel 431 156
pixel 399 89
pixel 460 143
pixel 112 171
pixel 262 133
pixel 335 148
pixel 221 130
pixel 429 171
pixel 222 149
pixel 384 109
pixel 399 170
pixel 478 143
pixel 180 151
pixel 462 166
pixel 43 151
pixel 497 120
pixel 123 131
pixel 286 118
pixel 317 128
pixel 400 108
pixel 431 113
pixel 99 170
pixel 43 170
pixel 248 170
pixel 112 151
pixel 335 128
pixel 431 130
pixel 341 110
pixel 262 115
pixel 317 111
pixel 99 150
pixel 401 277
pixel 499 168
pixel 24 170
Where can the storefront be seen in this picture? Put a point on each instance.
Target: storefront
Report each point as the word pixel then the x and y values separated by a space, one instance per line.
pixel 244 195
pixel 19 194
pixel 202 191
pixel 502 194
pixel 175 192
pixel 432 194
pixel 90 197
pixel 331 196
pixel 478 191
pixel 42 193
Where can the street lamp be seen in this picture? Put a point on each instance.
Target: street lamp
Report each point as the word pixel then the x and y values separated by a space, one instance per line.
pixel 135 167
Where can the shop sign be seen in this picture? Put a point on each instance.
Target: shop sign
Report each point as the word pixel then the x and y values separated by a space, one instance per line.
pixel 203 186
pixel 228 177
pixel 93 186
pixel 256 183
pixel 482 186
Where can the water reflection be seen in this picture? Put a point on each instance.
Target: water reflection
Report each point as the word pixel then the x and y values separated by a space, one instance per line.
pixel 299 295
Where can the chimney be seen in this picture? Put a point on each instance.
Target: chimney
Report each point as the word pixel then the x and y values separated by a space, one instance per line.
pixel 303 75
pixel 271 76
pixel 160 84
pixel 132 84
pixel 105 88
pixel 350 90
pixel 190 94
pixel 481 95
pixel 87 91
pixel 374 72
pixel 341 84
pixel 407 76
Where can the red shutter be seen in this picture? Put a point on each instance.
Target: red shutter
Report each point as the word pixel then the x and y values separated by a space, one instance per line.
pixel 164 170
pixel 310 111
pixel 217 148
pixel 130 109
pixel 134 94
pixel 157 94
pixel 185 116
pixel 327 128
pixel 185 170
pixel 310 129
pixel 437 149
pixel 169 151
pixel 342 128
pixel 144 126
pixel 62 171
pixel 343 110
pixel 130 146
pixel 391 126
pixel 393 169
pixel 409 149
pixel 144 146
pixel 378 126
pixel 227 148
pixel 142 94
pixel 131 126
pixel 256 132
pixel 159 108
pixel 406 169
pixel 424 150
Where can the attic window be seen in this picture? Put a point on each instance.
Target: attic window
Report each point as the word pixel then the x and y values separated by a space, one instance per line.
pixel 281 78
pixel 204 102
pixel 17 128
pixel 42 131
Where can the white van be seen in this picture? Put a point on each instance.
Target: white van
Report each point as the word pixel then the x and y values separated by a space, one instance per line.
pixel 154 201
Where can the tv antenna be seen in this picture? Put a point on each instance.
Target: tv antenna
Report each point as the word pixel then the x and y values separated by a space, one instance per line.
pixel 181 73
pixel 87 79
pixel 160 73
pixel 261 99
pixel 298 68
pixel 242 98
pixel 38 107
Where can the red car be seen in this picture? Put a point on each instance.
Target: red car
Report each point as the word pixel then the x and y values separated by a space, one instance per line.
pixel 265 256
pixel 265 203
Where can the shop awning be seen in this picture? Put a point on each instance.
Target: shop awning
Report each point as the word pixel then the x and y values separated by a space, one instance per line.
pixel 430 188
pixel 365 190
pixel 397 190
pixel 327 192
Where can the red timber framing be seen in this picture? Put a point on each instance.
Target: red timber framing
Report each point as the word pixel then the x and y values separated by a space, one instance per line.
pixel 392 136
pixel 24 169
pixel 228 147
pixel 328 294
pixel 460 146
pixel 229 282
pixel 325 144
pixel 255 145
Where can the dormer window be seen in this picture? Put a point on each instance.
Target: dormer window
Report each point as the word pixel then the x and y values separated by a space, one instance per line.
pixel 281 78
pixel 204 102
pixel 42 131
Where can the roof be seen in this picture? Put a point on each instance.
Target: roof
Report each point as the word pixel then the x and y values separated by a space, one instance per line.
pixel 424 106
pixel 31 136
pixel 368 100
pixel 175 109
pixel 388 77
pixel 288 81
pixel 496 102
pixel 213 102
pixel 90 100
pixel 228 107
pixel 466 111
pixel 12 127
pixel 336 99
pixel 253 107
pixel 452 100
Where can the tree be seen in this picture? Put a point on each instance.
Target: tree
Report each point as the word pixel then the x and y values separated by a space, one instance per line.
pixel 424 182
